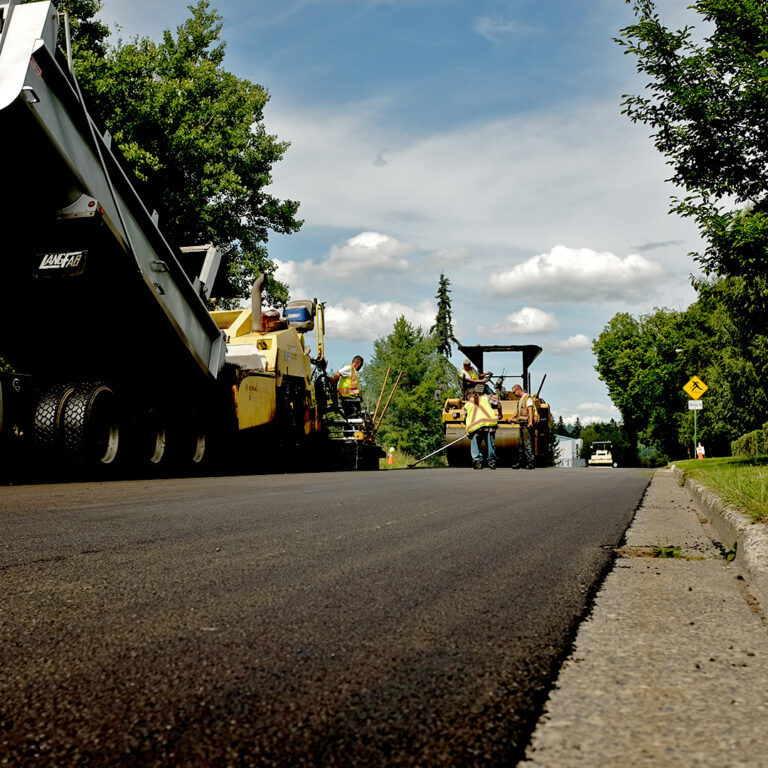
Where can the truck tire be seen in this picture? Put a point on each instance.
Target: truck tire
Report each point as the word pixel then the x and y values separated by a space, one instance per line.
pixel 89 425
pixel 48 409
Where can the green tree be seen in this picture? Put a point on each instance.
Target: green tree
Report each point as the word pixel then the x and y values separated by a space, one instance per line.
pixel 561 429
pixel 638 360
pixel 442 330
pixel 735 358
pixel 413 421
pixel 624 452
pixel 707 103
pixel 194 135
pixel 721 337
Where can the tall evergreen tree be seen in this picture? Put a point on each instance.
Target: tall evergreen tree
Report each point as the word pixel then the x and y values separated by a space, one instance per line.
pixel 442 330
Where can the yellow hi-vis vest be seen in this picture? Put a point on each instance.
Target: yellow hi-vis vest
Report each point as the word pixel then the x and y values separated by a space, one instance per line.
pixel 481 415
pixel 522 412
pixel 349 386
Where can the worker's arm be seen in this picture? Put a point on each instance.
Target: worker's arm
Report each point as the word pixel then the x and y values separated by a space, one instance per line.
pixel 336 377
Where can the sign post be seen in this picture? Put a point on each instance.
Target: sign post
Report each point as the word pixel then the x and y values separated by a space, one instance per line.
pixel 695 388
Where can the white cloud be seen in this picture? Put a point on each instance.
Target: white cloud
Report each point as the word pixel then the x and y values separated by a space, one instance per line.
pixel 294 275
pixel 498 187
pixel 571 344
pixel 589 413
pixel 527 320
pixel 578 274
pixel 354 320
pixel 492 27
pixel 367 254
pixel 364 256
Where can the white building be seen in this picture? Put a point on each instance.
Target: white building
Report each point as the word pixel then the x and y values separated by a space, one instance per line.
pixel 569 449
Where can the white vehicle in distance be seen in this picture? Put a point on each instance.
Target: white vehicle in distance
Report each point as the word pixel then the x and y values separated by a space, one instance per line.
pixel 602 454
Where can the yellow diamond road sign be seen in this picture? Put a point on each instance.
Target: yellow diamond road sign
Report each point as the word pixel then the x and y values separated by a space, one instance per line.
pixel 695 388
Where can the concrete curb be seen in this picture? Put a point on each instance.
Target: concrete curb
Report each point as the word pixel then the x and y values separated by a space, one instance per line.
pixel 734 528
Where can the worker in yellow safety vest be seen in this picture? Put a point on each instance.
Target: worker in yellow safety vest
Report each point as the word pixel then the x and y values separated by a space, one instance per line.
pixel 527 417
pixel 470 378
pixel 347 381
pixel 481 416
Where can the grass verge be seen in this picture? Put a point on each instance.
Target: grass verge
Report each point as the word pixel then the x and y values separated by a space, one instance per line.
pixel 402 460
pixel 741 483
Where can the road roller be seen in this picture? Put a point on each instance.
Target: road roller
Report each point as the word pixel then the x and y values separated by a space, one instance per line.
pixel 508 433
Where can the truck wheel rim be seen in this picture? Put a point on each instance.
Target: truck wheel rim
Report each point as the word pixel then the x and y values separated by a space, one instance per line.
pixel 158 447
pixel 199 446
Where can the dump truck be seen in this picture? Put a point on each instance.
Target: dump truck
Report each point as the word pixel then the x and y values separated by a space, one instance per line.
pixel 457 443
pixel 110 357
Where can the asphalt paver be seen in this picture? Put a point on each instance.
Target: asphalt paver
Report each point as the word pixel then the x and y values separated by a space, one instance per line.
pixel 670 667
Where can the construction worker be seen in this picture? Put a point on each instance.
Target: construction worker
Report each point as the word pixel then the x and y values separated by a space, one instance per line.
pixel 347 383
pixel 481 416
pixel 527 416
pixel 471 378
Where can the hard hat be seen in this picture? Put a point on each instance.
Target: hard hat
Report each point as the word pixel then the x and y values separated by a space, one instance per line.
pixel 467 362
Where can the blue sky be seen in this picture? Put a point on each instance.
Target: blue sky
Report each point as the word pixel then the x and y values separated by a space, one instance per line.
pixel 479 138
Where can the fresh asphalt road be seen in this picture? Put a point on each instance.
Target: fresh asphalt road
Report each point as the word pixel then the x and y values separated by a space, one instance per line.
pixel 403 617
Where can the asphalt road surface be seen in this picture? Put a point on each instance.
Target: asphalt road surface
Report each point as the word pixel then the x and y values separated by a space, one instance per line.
pixel 405 617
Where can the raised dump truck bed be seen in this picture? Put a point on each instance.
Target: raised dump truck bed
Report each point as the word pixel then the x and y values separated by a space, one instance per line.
pixel 84 260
